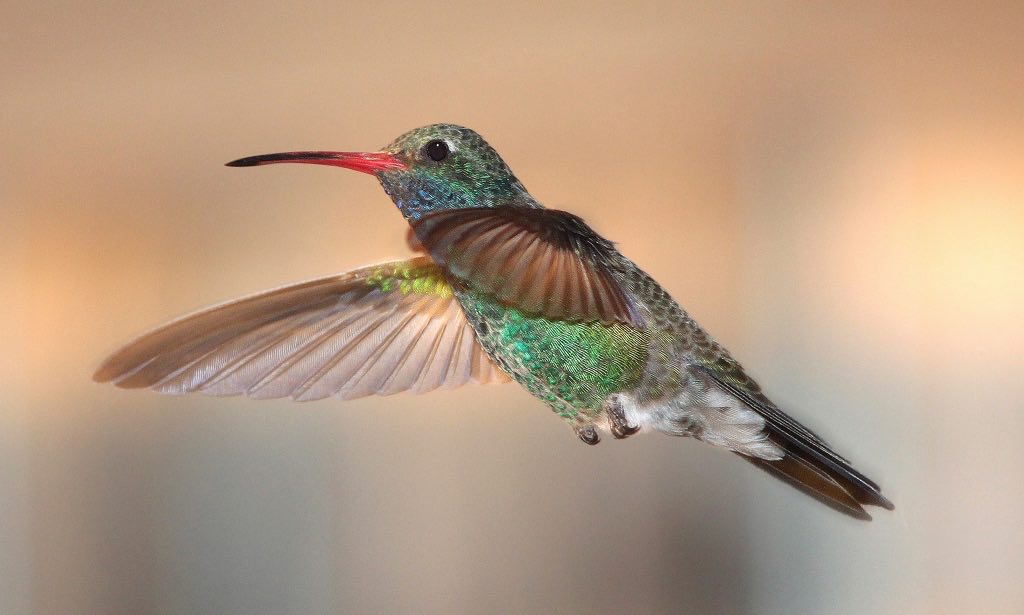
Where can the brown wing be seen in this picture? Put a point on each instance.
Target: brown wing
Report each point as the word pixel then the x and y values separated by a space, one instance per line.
pixel 542 261
pixel 377 330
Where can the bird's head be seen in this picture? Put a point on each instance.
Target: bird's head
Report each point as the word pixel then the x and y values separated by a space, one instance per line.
pixel 441 166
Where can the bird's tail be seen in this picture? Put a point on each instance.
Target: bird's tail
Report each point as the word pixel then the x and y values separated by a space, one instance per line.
pixel 828 478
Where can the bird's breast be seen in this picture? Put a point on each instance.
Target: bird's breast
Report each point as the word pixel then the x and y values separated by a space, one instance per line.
pixel 571 366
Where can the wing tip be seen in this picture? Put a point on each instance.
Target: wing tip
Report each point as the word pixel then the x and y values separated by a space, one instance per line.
pixel 111 369
pixel 110 373
pixel 101 375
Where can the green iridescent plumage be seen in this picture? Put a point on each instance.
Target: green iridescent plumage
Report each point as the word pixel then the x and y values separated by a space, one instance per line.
pixel 573 367
pixel 473 175
pixel 409 277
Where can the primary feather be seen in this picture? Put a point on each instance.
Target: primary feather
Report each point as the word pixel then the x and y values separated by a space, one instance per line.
pixel 374 331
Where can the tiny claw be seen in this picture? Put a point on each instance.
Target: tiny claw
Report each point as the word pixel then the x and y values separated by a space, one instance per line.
pixel 588 434
pixel 620 427
pixel 624 431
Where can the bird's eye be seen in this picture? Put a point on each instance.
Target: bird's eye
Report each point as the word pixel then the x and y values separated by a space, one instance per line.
pixel 437 150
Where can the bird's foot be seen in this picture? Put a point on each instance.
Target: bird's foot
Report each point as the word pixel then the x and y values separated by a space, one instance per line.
pixel 587 433
pixel 620 427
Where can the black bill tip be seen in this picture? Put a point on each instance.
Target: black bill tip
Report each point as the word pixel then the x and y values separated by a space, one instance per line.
pixel 364 162
pixel 255 161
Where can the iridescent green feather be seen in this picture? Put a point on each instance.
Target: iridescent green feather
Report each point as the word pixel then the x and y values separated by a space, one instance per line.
pixel 417 276
pixel 571 366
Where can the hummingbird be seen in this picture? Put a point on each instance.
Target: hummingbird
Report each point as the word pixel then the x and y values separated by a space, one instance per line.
pixel 502 289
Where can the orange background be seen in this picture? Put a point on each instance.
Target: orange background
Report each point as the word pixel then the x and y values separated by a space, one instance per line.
pixel 835 192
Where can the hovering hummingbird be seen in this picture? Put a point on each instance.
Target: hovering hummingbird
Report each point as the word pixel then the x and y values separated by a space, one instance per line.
pixel 506 289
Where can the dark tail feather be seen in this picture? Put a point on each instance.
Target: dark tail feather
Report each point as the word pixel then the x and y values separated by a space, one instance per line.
pixel 809 464
pixel 824 478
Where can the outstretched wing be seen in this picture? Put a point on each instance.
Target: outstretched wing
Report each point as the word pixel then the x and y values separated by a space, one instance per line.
pixel 541 261
pixel 808 462
pixel 373 331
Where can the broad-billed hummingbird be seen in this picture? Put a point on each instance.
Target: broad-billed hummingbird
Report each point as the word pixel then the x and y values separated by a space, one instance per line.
pixel 506 289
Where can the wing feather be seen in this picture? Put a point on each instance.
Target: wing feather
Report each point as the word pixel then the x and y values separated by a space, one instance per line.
pixel 542 261
pixel 374 331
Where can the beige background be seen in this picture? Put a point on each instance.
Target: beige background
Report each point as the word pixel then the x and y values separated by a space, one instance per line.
pixel 835 191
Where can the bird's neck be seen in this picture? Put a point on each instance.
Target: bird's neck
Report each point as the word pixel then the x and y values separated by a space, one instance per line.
pixel 416 200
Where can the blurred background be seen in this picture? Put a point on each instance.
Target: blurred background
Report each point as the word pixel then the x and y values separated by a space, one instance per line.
pixel 835 192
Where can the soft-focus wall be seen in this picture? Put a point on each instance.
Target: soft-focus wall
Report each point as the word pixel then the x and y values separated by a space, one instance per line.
pixel 836 192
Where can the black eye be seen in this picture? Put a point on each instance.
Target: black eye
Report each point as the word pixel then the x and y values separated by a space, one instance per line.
pixel 437 150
